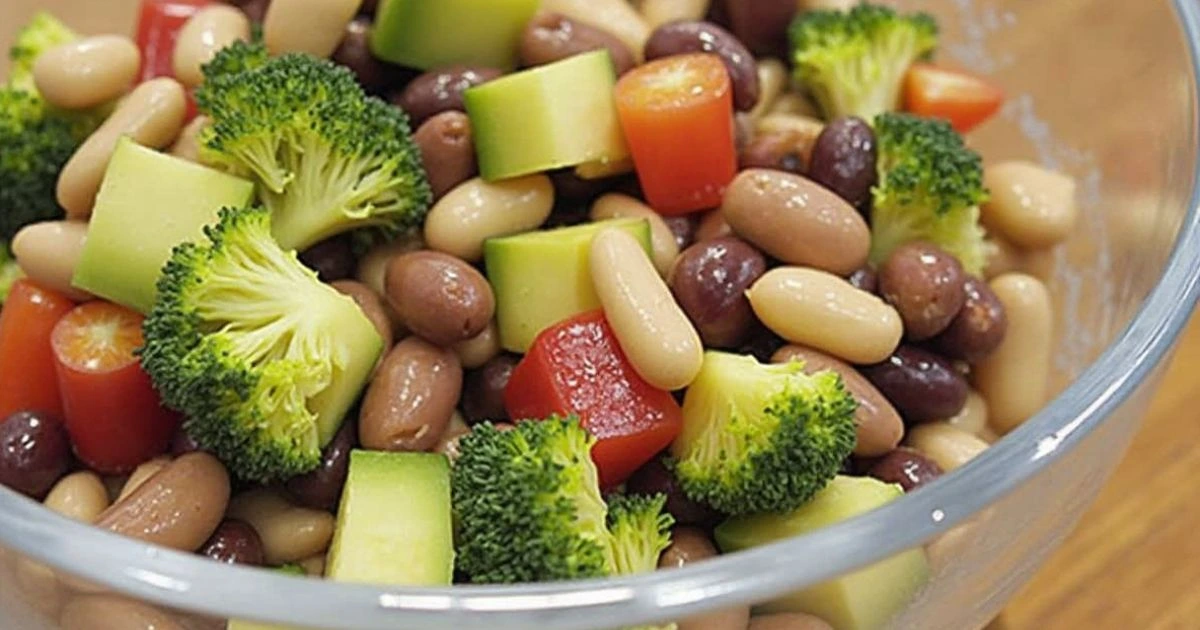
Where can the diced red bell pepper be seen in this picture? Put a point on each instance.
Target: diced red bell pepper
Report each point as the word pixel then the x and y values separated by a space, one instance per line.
pixel 27 380
pixel 577 367
pixel 158 28
pixel 964 99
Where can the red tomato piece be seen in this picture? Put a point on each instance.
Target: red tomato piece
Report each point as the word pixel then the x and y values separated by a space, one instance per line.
pixel 577 367
pixel 27 381
pixel 113 415
pixel 677 115
pixel 158 28
pixel 959 97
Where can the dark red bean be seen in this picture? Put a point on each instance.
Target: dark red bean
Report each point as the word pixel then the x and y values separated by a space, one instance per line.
pixel 368 7
pixel 321 488
pixel 676 38
pixel 710 280
pixel 760 24
pixel 235 542
pixel 447 151
pixel 333 259
pixel 483 390
pixel 182 443
pixel 570 187
pixel 865 279
pixel 355 53
pixel 979 326
pixel 655 478
pixel 843 160
pixel 256 10
pixel 907 467
pixel 34 453
pixel 925 284
pixel 762 344
pixel 683 228
pixel 441 90
pixel 779 151
pixel 551 37
pixel 921 385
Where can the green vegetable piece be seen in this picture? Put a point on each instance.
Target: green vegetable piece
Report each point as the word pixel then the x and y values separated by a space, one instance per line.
pixel 863 600
pixel 930 188
pixel 429 34
pixel 262 358
pixel 558 115
pixel 527 508
pixel 43 32
pixel 393 525
pixel 854 62
pixel 541 278
pixel 761 437
pixel 9 271
pixel 148 203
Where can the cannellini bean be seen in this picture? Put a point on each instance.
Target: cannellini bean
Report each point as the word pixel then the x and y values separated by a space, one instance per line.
pixel 208 31
pixel 974 415
pixel 151 115
pixel 615 16
pixel 87 72
pixel 307 26
pixel 794 104
pixel 661 344
pixel 289 533
pixel 80 496
pixel 187 145
pixel 476 210
pixel 1014 377
pixel 772 80
pixel 48 253
pixel 1030 205
pixel 818 309
pixel 946 445
pixel 659 12
pixel 662 240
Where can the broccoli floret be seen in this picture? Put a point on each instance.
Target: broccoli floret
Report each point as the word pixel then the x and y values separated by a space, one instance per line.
pixel 261 358
pixel 930 188
pixel 42 33
pixel 527 508
pixel 327 158
pixel 761 438
pixel 9 271
pixel 854 62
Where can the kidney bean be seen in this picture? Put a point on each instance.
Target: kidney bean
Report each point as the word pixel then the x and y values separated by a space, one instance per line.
pixel 879 426
pixel 368 7
pixel 332 259
pixel 710 281
pixel 256 10
pixel 569 186
pixel 477 210
pixel 978 328
pixel 778 151
pixel 551 37
pixel 677 38
pixel 179 507
pixel 865 279
pixel 483 391
pixel 925 284
pixel 372 306
pixel 843 160
pixel 354 52
pixel 921 385
pixel 617 17
pixel 761 24
pixel 235 542
pixel 409 403
pixel 289 533
pixel 182 443
pixel 945 445
pixel 288 25
pixel 439 297
pixel 1014 378
pixel 321 488
pixel 762 344
pixel 788 621
pixel 447 151
pixel 683 228
pixel 34 453
pixel 796 221
pixel 1030 205
pixel 86 72
pixel 907 467
pixel 441 90
pixel 655 478
pixel 712 225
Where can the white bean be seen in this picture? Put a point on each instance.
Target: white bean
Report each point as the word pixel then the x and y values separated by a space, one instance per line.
pixel 659 12
pixel 662 240
pixel 315 27
pixel 772 80
pixel 475 211
pixel 1014 377
pixel 187 145
pixel 208 31
pixel 48 253
pixel 80 496
pixel 87 72
pixel 289 533
pixel 1030 205
pixel 947 446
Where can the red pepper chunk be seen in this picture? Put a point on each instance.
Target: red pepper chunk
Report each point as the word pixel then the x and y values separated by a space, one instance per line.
pixel 158 27
pixel 577 367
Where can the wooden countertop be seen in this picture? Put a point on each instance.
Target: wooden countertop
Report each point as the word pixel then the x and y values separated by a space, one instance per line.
pixel 1134 561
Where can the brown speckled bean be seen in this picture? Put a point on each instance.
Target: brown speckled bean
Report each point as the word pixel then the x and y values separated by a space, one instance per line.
pixel 409 403
pixel 925 284
pixel 439 297
pixel 447 151
pixel 551 37
pixel 372 306
pixel 441 90
pixel 979 327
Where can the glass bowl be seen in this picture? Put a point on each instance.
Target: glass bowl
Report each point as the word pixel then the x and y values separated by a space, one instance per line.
pixel 1105 90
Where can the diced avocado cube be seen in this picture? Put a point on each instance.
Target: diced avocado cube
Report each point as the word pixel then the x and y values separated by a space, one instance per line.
pixel 541 278
pixel 148 203
pixel 553 116
pixel 863 600
pixel 393 526
pixel 428 34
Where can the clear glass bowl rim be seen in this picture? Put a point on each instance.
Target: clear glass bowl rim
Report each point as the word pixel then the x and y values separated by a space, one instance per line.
pixel 188 582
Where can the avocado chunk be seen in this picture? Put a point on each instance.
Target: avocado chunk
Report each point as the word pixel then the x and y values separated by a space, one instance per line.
pixel 541 278
pixel 428 34
pixel 863 600
pixel 557 115
pixel 393 526
pixel 149 202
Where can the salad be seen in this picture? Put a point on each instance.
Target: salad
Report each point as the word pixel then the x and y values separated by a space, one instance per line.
pixel 452 291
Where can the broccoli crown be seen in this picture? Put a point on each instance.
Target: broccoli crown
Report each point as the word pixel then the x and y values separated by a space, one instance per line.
pixel 930 187
pixel 9 271
pixel 761 438
pixel 327 158
pixel 36 144
pixel 42 33
pixel 527 508
pixel 254 350
pixel 853 62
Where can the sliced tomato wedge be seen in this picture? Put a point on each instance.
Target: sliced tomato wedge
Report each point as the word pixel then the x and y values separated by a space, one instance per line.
pixel 964 99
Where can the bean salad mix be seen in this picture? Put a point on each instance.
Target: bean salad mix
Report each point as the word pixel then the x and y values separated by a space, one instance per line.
pixel 425 292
